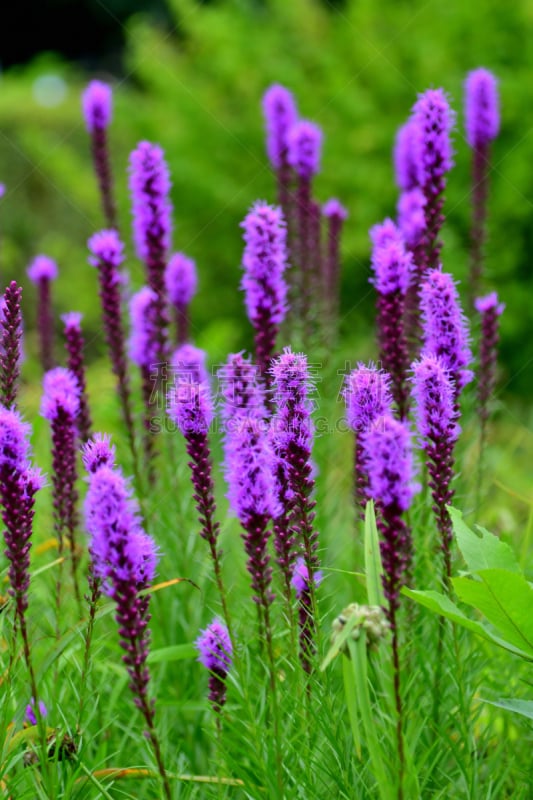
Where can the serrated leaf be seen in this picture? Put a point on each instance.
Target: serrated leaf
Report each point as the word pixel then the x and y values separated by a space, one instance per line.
pixel 373 565
pixel 523 707
pixel 485 551
pixel 506 600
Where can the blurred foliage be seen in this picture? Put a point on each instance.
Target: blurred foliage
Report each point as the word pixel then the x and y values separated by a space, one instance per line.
pixel 355 67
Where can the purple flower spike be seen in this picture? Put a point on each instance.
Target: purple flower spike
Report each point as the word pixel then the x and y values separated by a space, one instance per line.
pixel 411 218
pixel 264 262
pixel 304 141
pixel 181 282
pixel 107 254
pixel 189 363
pixel 30 711
pixel 335 214
pixel 482 107
pixel 60 405
pixel 367 393
pixel 10 344
pixel 98 452
pixel 482 123
pixel 392 265
pixel 389 463
pixel 434 120
pixel 241 389
pixel 445 329
pixel 279 109
pixel 142 343
pixel 41 272
pixel 191 407
pixel 215 653
pixel 75 362
pixel 490 310
pixel 436 415
pixel 405 156
pixel 97 106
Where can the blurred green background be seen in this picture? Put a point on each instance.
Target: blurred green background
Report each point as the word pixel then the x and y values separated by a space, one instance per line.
pixel 190 76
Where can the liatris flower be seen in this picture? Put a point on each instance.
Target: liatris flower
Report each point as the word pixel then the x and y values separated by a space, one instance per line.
pixel 143 352
pixel 490 310
pixel 304 141
pixel 300 581
pixel 98 452
pixel 97 100
pixel 335 214
pixel 107 255
pixel 125 559
pixel 436 415
pixel 19 483
pixel 181 282
pixel 392 265
pixel 405 156
pixel 74 344
pixel 280 112
pixel 152 224
pixel 60 405
pixel 445 329
pixel 482 123
pixel 367 393
pixel 434 121
pixel 292 437
pixel 42 271
pixel 189 362
pixel 241 389
pixel 30 711
pixel 215 653
pixel 412 225
pixel 10 347
pixel 264 262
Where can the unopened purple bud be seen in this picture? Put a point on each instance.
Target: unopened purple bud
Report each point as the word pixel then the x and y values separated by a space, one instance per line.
pixel 61 392
pixel 30 711
pixel 98 452
pixel 181 280
pixel 482 107
pixel 97 100
pixel 143 337
pixel 215 648
pixel 389 463
pixel 279 109
pixel 405 156
pixel 411 216
pixel 300 577
pixel 368 396
pixel 189 363
pixel 304 141
pixel 191 407
pixel 42 268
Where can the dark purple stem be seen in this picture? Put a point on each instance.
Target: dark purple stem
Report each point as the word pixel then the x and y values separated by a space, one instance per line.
pixel 478 233
pixel 74 345
pixel 393 350
pixel 102 168
pixel 182 323
pixel 11 333
pixel 303 280
pixel 45 324
pixel 331 276
pixel 434 219
pixel 412 323
pixel 440 467
pixel 148 390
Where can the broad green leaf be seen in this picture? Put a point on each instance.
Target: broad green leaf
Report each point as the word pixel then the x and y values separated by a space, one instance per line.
pixel 178 652
pixel 373 566
pixel 506 600
pixel 523 707
pixel 482 552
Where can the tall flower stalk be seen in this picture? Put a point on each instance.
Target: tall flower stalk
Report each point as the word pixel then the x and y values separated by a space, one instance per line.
pixel 482 123
pixel 181 282
pixel 42 271
pixel 392 266
pixel 75 344
pixel 107 255
pixel 263 282
pixel 216 654
pixel 280 112
pixel 304 595
pixel 125 559
pixel 335 214
pixel 97 106
pixel 60 406
pixel 10 344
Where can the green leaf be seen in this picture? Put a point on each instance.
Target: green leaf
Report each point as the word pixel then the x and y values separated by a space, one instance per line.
pixel 373 566
pixel 351 703
pixel 482 552
pixel 523 707
pixel 338 644
pixel 506 600
pixel 178 652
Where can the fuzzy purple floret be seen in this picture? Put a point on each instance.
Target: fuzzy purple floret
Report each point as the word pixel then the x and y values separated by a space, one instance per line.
pixel 14 444
pixel 445 328
pixel 189 363
pixel 482 107
pixel 279 109
pixel 72 320
pixel 181 280
pixel 10 343
pixel 30 711
pixel 411 217
pixel 97 105
pixel 190 406
pixel 367 393
pixel 434 120
pixel 392 265
pixel 61 392
pixel 42 268
pixel 264 262
pixel 304 141
pixel 98 452
pixel 300 577
pixel 384 233
pixel 241 390
pixel 334 208
pixel 404 155
pixel 143 337
pixel 489 302
pixel 389 463
pixel 106 247
pixel 150 187
pixel 214 648
pixel 435 408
